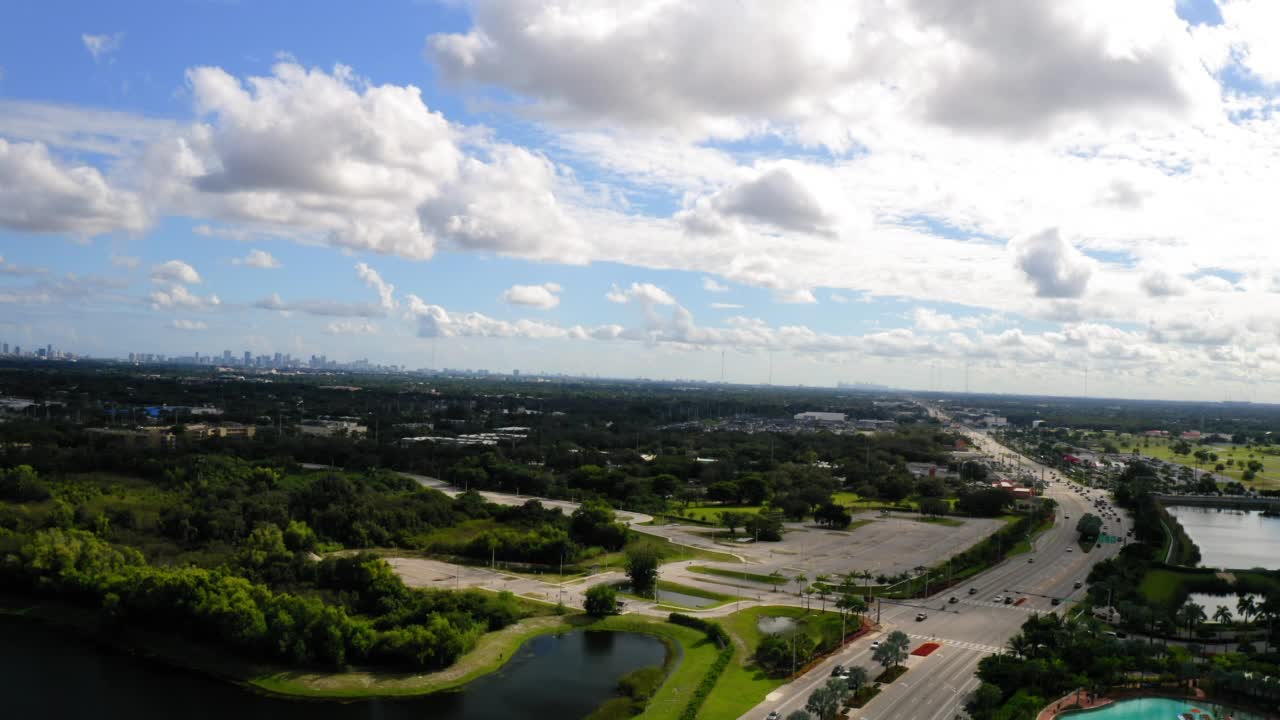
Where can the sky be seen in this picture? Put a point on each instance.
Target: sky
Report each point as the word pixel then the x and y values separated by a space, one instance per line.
pixel 1072 197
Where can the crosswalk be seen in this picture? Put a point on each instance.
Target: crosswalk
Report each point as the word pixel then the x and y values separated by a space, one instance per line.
pixel 1025 607
pixel 988 649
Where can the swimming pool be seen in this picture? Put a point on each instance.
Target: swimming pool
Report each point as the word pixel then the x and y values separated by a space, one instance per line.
pixel 1157 709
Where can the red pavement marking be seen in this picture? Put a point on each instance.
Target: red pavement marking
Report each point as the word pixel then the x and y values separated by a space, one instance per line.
pixel 926 649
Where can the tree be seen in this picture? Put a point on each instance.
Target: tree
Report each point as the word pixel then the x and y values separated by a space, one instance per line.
pixel 600 600
pixel 893 650
pixel 833 515
pixel 1222 615
pixel 799 715
pixel 776 578
pixel 594 524
pixel 984 701
pixel 1089 526
pixel 933 507
pixel 858 677
pixel 825 701
pixel 849 603
pixel 765 525
pixel 989 502
pixel 822 583
pixel 733 520
pixel 642 568
pixel 1246 606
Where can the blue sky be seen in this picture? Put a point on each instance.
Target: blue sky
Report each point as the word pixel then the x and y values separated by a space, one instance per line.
pixel 862 193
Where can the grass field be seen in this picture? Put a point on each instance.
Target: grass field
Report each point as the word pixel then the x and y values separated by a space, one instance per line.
pixel 743 685
pixel 737 575
pixel 1162 449
pixel 712 513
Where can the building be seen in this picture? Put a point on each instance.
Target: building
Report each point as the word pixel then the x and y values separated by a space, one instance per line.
pixel 824 418
pixel 204 431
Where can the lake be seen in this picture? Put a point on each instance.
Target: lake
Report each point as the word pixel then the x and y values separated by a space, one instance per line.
pixel 1236 539
pixel 1210 603
pixel 50 674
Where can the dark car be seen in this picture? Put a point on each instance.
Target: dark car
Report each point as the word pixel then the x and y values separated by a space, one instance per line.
pixel 973 591
pixel 954 600
pixel 835 671
pixel 1008 600
pixel 1055 601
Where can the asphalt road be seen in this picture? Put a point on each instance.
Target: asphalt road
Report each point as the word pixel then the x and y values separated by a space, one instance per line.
pixel 976 625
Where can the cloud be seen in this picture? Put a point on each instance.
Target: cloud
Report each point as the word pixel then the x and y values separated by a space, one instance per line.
pixel 101 46
pixel 543 296
pixel 386 290
pixel 351 327
pixel 435 321
pixel 1159 283
pixel 13 269
pixel 179 297
pixel 257 259
pixel 188 325
pixel 128 262
pixel 710 285
pixel 323 308
pixel 38 194
pixel 932 321
pixel 66 290
pixel 799 296
pixel 643 293
pixel 725 306
pixel 175 271
pixel 1054 267
pixel 776 197
pixel 1010 66
pixel 837 298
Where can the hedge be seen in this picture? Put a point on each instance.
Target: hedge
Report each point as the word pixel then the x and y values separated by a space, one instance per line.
pixel 708 683
pixel 714 632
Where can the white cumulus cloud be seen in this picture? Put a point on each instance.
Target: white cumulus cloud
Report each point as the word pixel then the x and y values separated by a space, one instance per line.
pixel 544 296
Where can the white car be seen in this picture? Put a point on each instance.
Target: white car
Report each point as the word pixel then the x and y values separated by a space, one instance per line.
pixel 998 598
pixel 875 644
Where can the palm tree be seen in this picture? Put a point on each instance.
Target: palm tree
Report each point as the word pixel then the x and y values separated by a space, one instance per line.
pixel 1194 615
pixel 858 677
pixel 866 575
pixel 777 579
pixel 1223 617
pixel 823 584
pixel 1021 646
pixel 1246 606
pixel 800 579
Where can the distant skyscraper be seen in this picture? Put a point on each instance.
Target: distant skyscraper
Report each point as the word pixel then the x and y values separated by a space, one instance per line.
pixel 248 359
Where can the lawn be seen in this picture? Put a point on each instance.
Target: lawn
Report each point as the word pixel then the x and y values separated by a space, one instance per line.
pixel 738 575
pixel 1162 449
pixel 712 513
pixel 671 552
pixel 743 685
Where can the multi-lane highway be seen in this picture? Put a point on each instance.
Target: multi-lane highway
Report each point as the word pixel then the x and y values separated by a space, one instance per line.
pixel 974 626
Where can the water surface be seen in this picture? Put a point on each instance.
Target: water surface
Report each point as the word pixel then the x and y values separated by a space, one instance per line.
pixel 1210 603
pixel 1227 538
pixel 1156 709
pixel 49 674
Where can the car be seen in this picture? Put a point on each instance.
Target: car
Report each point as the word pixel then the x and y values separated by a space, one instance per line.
pixel 1071 549
pixel 973 591
pixel 1078 584
pixel 875 644
pixel 1055 601
pixel 998 598
pixel 775 715
pixel 921 616
pixel 1031 560
pixel 1066 517
pixel 835 671
pixel 954 600
pixel 1008 599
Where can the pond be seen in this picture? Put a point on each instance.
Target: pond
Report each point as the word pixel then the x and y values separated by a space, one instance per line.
pixel 1157 709
pixel 1227 538
pixel 775 625
pixel 1210 603
pixel 54 675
